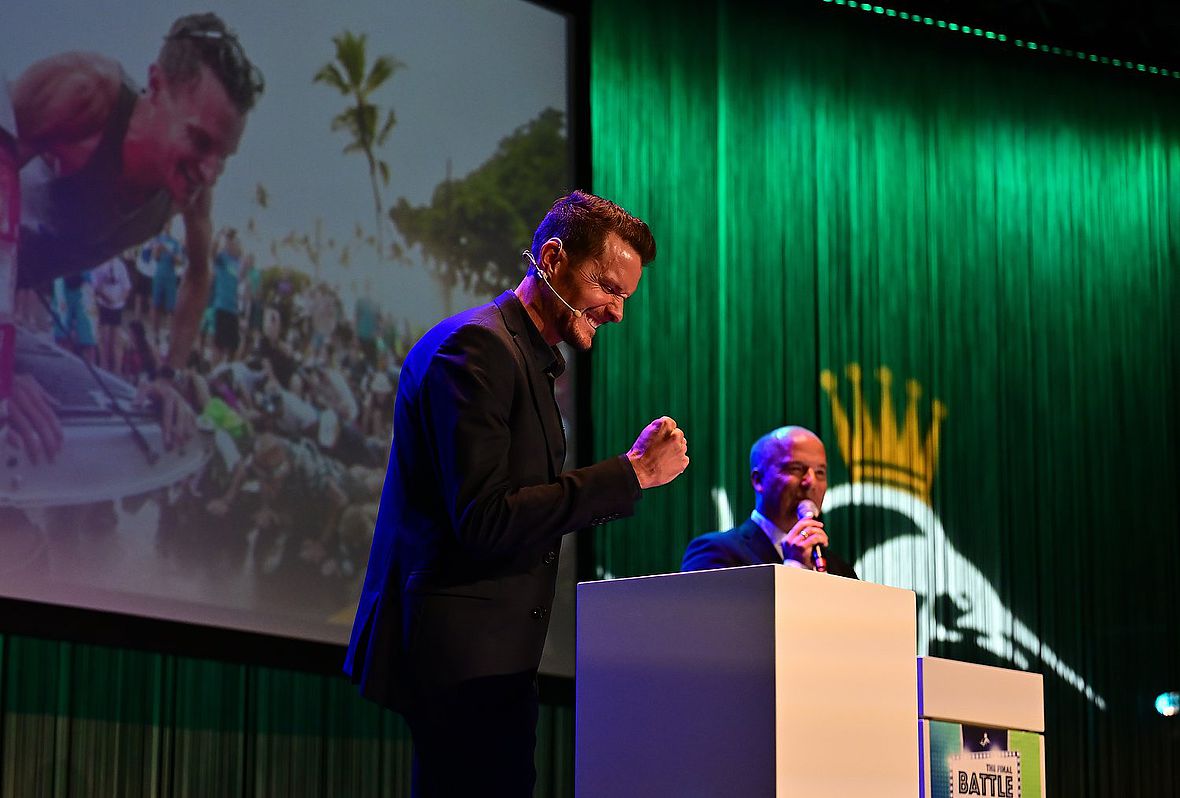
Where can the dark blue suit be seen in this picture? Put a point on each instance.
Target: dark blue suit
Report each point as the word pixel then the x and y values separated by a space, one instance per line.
pixel 461 576
pixel 744 545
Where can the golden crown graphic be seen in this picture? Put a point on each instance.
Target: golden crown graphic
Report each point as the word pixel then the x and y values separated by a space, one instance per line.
pixel 879 452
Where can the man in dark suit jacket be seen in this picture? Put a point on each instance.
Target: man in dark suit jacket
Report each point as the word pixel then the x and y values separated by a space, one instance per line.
pixel 455 606
pixel 787 466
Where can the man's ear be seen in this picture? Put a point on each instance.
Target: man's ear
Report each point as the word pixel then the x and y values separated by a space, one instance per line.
pixel 552 255
pixel 756 480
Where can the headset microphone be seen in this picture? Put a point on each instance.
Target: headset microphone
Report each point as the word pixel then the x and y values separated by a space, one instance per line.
pixel 545 278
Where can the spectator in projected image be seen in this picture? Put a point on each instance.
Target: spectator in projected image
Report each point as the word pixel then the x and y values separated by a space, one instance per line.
pixel 322 312
pixel 73 327
pixel 365 322
pixel 166 255
pixel 112 287
pixel 250 300
pixel 377 417
pixel 787 465
pixel 223 302
pixel 140 359
pixel 103 166
pixel 273 351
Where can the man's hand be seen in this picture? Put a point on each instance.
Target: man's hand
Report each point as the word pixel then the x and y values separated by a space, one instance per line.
pixel 659 454
pixel 802 538
pixel 32 422
pixel 176 417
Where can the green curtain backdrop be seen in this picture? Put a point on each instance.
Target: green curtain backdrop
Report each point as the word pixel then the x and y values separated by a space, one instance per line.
pixel 84 720
pixel 991 236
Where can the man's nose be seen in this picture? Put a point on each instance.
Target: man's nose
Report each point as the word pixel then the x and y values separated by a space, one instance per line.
pixel 615 309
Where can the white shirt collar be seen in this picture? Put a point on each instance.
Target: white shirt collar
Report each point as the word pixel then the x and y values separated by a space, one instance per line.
pixel 776 535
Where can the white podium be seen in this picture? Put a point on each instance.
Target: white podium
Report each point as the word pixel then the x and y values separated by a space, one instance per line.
pixel 981 730
pixel 758 681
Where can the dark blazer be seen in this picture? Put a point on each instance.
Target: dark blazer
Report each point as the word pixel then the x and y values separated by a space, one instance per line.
pixel 463 565
pixel 745 545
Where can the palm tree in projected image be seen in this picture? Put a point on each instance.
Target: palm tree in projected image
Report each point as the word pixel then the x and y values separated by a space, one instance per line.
pixel 495 206
pixel 351 76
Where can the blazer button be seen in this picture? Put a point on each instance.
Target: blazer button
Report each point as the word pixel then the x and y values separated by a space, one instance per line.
pixel 539 612
pixel 551 558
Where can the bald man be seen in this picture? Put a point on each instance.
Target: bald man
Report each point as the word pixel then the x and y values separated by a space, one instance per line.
pixel 787 466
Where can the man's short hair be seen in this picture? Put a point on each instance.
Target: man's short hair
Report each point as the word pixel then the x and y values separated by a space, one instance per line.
pixel 204 39
pixel 582 221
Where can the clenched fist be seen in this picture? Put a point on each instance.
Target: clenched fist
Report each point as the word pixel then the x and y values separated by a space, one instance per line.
pixel 659 454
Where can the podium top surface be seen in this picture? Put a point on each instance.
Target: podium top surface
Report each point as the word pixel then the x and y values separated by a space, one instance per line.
pixel 980 695
pixel 747 572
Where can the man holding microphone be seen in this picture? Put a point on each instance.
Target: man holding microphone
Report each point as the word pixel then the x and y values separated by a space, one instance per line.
pixel 789 472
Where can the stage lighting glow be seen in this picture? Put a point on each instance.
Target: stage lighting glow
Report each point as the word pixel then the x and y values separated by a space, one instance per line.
pixel 1168 704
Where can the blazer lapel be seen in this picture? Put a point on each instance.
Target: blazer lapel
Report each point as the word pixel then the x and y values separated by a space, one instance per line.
pixel 541 387
pixel 761 549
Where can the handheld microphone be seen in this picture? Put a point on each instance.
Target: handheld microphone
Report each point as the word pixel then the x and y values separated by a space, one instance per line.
pixel 545 278
pixel 808 509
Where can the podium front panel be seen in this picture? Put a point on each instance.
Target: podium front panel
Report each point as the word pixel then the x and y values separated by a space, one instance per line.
pixel 675 685
pixel 758 681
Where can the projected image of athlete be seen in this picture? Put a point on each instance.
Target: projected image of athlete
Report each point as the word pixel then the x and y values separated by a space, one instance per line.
pixel 104 165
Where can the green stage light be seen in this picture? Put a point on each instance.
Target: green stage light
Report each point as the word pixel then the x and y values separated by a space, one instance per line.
pixel 1000 37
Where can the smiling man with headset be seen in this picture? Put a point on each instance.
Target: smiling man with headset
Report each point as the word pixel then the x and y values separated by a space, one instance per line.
pixel 455 606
